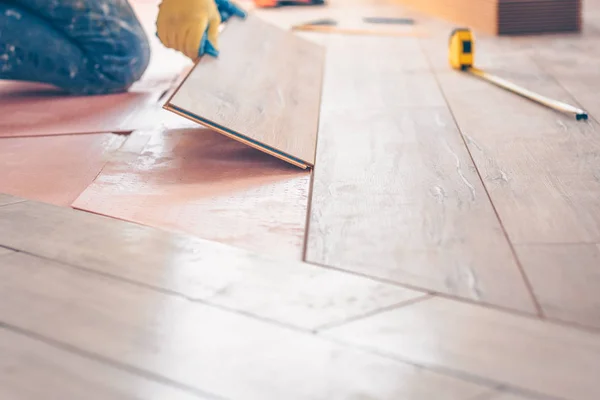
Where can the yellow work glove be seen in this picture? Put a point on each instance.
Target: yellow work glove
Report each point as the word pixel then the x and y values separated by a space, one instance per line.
pixel 181 25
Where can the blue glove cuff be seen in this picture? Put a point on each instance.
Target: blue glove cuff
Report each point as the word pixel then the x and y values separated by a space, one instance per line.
pixel 227 9
pixel 206 47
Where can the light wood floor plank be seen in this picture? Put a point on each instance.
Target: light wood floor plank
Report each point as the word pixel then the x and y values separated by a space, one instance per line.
pixel 31 370
pixel 538 165
pixel 498 346
pixel 199 346
pixel 287 291
pixel 565 280
pixel 395 193
pixel 268 89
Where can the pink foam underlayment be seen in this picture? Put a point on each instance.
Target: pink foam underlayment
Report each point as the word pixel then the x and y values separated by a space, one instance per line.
pixel 54 169
pixel 202 183
pixel 31 109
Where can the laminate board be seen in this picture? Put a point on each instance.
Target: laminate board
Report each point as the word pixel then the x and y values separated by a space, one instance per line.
pixel 31 369
pixel 395 193
pixel 200 347
pixel 263 90
pixel 289 292
pixel 514 351
pixel 54 169
pixel 537 164
pixel 199 182
pixel 565 280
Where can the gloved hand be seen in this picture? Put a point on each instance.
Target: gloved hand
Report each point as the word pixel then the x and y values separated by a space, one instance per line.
pixel 227 9
pixel 189 26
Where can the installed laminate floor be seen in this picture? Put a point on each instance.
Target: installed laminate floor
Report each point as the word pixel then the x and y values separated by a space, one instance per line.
pixel 451 249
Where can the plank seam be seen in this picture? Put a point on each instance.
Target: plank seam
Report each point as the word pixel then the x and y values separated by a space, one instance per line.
pixel 453 297
pixel 395 306
pixel 73 349
pixel 113 151
pixel 167 292
pixel 560 85
pixel 201 394
pixel 446 371
pixel 13 202
pixel 526 280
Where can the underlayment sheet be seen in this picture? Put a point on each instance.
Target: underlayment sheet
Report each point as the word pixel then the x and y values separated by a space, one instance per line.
pixel 264 90
pixel 54 169
pixel 40 110
pixel 35 110
pixel 199 182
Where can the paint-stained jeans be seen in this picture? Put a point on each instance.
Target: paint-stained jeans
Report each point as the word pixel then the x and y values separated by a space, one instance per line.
pixel 80 46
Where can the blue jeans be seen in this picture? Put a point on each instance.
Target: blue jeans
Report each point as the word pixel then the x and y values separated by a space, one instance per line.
pixel 81 46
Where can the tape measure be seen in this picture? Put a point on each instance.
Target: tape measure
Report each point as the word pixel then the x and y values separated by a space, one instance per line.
pixel 461 55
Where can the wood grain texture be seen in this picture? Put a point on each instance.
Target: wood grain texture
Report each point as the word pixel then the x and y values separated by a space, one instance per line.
pixel 565 280
pixel 538 165
pixel 31 369
pixel 54 169
pixel 289 292
pixel 514 351
pixel 198 182
pixel 200 347
pixel 395 193
pixel 264 89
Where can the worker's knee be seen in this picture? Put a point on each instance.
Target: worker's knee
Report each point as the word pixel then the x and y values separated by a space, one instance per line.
pixel 128 62
pixel 121 56
pixel 83 46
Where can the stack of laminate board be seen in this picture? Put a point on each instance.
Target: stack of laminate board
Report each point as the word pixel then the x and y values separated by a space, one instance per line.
pixel 506 17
